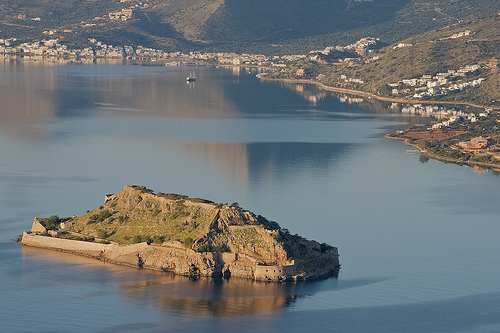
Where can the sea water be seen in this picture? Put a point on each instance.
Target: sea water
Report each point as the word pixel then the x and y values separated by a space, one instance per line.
pixel 418 239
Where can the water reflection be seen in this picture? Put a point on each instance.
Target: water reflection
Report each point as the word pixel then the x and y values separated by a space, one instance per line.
pixel 411 113
pixel 258 162
pixel 33 94
pixel 213 297
pixel 479 170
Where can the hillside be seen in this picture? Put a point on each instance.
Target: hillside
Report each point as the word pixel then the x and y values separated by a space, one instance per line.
pixel 186 235
pixel 236 25
pixel 452 56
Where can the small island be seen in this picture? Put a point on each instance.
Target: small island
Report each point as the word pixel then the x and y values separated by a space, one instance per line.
pixel 188 236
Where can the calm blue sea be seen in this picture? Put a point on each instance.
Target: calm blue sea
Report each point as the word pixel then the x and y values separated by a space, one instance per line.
pixel 418 240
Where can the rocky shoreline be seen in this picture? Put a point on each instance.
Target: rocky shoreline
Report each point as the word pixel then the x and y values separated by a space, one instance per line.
pixel 172 259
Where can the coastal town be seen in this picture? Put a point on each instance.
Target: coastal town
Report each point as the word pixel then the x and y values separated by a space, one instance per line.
pixel 457 135
pixel 55 50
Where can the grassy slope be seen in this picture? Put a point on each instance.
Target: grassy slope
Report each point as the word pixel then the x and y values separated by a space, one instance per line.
pixel 153 216
pixel 137 211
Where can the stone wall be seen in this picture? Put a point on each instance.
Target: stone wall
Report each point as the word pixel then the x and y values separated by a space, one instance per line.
pixel 37 226
pixel 276 272
pixel 183 261
pixel 178 260
pixel 66 245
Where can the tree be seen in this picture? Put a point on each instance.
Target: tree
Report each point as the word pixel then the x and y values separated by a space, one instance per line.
pixel 102 234
pixel 52 222
pixel 188 242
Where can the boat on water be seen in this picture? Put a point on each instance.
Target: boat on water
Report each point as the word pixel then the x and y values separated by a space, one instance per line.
pixel 191 77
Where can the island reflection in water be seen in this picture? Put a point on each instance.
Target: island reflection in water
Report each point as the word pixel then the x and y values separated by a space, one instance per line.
pixel 212 297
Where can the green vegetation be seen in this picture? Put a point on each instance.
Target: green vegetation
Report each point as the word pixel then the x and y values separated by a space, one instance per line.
pixel 204 248
pixel 102 234
pixel 325 247
pixel 270 225
pixel 51 223
pixel 188 242
pixel 99 217
pixel 142 239
pixel 173 196
pixel 139 215
pixel 77 237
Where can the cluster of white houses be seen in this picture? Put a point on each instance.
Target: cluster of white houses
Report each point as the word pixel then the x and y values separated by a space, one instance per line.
pixel 362 47
pixel 439 84
pixel 460 34
pixel 350 79
pixel 435 111
pixel 53 48
pixel 457 119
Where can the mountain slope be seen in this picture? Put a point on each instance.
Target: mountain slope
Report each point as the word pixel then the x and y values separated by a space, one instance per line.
pixel 319 23
pixel 469 43
pixel 279 26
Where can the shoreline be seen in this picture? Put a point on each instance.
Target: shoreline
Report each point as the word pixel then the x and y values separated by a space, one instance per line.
pixel 425 153
pixel 180 261
pixel 397 100
pixel 371 95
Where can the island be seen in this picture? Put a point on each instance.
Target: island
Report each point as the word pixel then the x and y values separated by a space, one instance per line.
pixel 188 236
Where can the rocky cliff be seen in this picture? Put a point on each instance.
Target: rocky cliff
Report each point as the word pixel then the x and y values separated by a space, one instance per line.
pixel 188 236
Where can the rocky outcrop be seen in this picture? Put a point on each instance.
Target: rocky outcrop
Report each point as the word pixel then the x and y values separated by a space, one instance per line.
pixel 191 237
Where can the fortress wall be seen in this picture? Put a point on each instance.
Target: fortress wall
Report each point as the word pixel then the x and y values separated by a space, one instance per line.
pixel 243 256
pixel 229 257
pixel 181 261
pixel 263 272
pixel 37 226
pixel 67 245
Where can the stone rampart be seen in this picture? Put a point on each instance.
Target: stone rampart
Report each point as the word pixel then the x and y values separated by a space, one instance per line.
pixel 181 261
pixel 37 226
pixel 275 272
pixel 185 261
pixel 66 245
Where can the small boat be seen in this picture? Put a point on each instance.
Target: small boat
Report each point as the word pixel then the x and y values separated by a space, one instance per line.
pixel 191 77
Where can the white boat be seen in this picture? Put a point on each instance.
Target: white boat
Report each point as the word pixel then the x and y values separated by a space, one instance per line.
pixel 191 77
